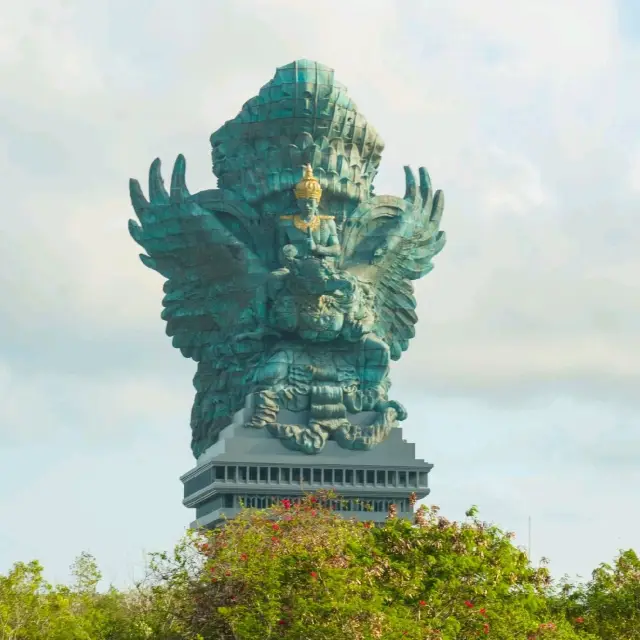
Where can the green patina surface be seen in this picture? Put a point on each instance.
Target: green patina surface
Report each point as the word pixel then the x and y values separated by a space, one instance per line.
pixel 291 281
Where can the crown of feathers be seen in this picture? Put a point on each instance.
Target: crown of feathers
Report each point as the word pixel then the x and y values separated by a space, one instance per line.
pixel 301 117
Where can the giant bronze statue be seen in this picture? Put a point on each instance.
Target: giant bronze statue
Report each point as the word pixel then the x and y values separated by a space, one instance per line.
pixel 290 284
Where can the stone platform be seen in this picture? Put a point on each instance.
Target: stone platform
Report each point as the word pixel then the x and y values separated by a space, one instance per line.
pixel 251 467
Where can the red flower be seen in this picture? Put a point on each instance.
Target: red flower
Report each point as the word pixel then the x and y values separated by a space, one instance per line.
pixel 314 512
pixel 468 603
pixel 314 575
pixel 281 621
pixel 243 556
pixel 275 526
pixel 422 603
pixel 483 612
pixel 227 573
pixel 274 539
pixel 580 620
pixel 367 525
pixel 314 500
pixel 485 627
pixel 286 503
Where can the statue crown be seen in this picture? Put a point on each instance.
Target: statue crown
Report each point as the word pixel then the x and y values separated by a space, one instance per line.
pixel 309 186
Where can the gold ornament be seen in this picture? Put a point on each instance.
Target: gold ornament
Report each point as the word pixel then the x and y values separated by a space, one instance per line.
pixel 305 225
pixel 309 187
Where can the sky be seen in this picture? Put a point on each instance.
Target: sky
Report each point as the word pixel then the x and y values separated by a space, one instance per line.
pixel 522 383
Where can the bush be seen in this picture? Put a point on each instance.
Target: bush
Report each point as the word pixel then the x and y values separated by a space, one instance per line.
pixel 300 571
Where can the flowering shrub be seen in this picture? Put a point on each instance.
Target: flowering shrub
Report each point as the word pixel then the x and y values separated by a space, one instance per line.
pixel 302 571
pixel 299 571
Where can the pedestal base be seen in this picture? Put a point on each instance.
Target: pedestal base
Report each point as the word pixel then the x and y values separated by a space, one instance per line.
pixel 252 468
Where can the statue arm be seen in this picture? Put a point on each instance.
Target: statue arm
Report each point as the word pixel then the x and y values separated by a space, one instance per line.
pixel 332 248
pixel 282 240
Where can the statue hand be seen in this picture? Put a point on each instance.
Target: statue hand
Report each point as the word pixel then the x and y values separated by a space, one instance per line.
pixel 289 252
pixel 358 328
pixel 311 242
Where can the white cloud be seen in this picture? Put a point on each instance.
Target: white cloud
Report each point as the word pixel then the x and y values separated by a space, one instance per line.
pixel 525 113
pixel 42 43
pixel 117 505
pixel 634 172
pixel 545 39
pixel 552 460
pixel 105 410
pixel 523 282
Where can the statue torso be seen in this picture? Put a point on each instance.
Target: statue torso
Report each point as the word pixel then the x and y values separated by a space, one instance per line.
pixel 297 231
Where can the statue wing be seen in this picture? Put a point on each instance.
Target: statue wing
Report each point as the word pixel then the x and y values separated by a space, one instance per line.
pixel 389 242
pixel 208 249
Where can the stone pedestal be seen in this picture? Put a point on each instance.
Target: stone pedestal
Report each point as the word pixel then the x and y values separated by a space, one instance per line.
pixel 251 467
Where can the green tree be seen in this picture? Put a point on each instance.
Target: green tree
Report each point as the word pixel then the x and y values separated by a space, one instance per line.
pixel 301 571
pixel 33 609
pixel 609 604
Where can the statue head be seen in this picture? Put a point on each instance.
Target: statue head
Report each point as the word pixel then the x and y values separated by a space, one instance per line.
pixel 308 192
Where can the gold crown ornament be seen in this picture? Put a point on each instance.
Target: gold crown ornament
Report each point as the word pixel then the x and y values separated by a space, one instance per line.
pixel 309 187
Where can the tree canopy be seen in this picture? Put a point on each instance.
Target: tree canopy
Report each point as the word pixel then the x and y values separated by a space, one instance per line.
pixel 300 571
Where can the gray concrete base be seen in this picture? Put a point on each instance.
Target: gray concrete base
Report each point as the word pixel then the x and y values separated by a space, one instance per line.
pixel 251 467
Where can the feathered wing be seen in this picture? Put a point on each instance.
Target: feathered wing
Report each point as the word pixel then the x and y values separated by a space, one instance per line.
pixel 210 259
pixel 389 242
pixel 212 251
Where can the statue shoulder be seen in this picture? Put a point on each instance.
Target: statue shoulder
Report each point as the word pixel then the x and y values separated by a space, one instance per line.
pixel 286 220
pixel 328 223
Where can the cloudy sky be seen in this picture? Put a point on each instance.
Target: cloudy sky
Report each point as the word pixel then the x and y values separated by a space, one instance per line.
pixel 522 384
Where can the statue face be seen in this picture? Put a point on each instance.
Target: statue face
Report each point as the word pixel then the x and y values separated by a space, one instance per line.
pixel 308 207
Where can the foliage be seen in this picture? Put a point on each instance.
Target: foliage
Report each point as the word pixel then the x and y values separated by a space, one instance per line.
pixel 609 604
pixel 33 609
pixel 298 570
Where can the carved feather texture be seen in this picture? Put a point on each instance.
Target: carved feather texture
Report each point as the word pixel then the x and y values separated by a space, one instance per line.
pixel 209 258
pixel 408 232
pixel 302 116
pixel 268 170
pixel 217 249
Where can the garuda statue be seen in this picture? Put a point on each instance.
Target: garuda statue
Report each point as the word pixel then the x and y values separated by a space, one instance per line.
pixel 290 284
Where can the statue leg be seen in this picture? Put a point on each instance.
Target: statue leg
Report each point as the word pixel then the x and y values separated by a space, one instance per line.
pixel 376 360
pixel 268 379
pixel 371 396
pixel 374 377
